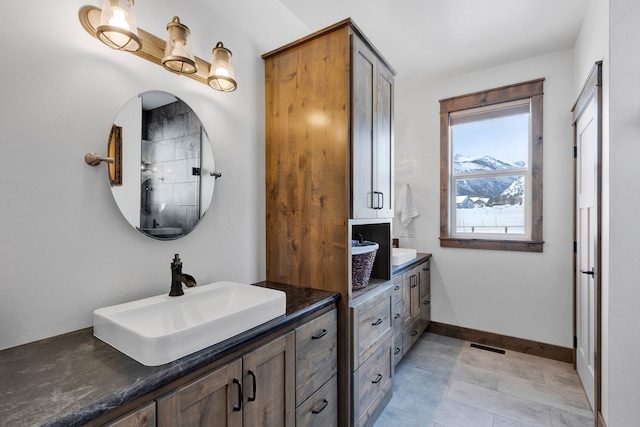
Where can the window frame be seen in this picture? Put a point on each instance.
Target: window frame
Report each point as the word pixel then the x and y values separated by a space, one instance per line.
pixel 532 90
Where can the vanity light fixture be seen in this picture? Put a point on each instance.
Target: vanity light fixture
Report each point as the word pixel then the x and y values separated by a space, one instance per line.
pixel 221 76
pixel 178 55
pixel 117 27
pixel 175 54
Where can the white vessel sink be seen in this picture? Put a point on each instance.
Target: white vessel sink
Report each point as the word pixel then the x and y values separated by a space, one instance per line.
pixel 401 255
pixel 161 329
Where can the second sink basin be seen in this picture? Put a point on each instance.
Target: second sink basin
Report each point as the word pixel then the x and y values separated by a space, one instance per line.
pixel 161 329
pixel 401 255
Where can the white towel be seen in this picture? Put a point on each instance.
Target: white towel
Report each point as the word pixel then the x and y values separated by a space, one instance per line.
pixel 405 207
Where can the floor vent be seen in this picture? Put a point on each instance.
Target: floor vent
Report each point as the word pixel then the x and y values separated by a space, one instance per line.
pixel 484 347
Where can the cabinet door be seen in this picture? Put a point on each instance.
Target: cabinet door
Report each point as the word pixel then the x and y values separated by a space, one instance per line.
pixel 415 293
pixel 362 116
pixel 425 278
pixel 269 384
pixel 406 298
pixel 212 400
pixel 142 417
pixel 383 137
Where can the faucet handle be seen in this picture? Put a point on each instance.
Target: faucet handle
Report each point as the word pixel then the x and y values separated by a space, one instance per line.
pixel 176 261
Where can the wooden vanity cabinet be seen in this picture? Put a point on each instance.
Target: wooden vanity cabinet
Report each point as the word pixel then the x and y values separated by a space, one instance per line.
pixel 329 145
pixel 257 389
pixel 414 306
pixel 289 381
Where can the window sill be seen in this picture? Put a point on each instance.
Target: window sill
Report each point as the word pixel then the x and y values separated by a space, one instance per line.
pixel 496 245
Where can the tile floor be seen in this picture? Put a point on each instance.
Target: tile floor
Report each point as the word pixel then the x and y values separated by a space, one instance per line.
pixel 443 382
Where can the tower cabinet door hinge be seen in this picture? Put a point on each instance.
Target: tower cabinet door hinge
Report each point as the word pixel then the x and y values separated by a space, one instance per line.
pixel 575 342
pixel 575 247
pixel 575 152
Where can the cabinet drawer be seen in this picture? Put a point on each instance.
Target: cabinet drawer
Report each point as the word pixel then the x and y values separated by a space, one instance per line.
pixel 411 334
pixel 425 278
pixel 372 325
pixel 397 289
pixel 372 382
pixel 397 349
pixel 316 354
pixel 397 318
pixel 321 409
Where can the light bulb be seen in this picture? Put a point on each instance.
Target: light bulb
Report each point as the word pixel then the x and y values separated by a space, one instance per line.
pixel 119 19
pixel 222 72
pixel 179 49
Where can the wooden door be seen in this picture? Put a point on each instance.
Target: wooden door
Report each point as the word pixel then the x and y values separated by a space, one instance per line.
pixel 588 131
pixel 213 400
pixel 269 384
pixel 586 247
pixel 383 143
pixel 363 199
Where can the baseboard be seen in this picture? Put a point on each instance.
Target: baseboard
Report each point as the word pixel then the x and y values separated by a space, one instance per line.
pixel 549 351
pixel 600 419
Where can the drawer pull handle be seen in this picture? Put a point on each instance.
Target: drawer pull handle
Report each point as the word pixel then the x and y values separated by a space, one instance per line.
pixel 427 302
pixel 320 335
pixel 377 380
pixel 253 397
pixel 238 407
pixel 414 333
pixel 397 350
pixel 324 406
pixel 397 316
pixel 377 322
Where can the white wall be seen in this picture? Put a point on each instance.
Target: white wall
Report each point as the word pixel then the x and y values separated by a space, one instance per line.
pixel 623 290
pixel 525 295
pixel 593 45
pixel 65 249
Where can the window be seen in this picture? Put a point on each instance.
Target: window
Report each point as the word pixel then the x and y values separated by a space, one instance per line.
pixel 491 169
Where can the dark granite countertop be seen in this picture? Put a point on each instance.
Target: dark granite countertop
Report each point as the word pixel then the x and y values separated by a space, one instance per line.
pixel 74 378
pixel 420 258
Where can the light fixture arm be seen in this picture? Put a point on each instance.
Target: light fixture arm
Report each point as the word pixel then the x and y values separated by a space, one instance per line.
pixel 153 48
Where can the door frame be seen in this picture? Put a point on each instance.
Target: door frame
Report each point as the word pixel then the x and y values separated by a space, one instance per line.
pixel 591 89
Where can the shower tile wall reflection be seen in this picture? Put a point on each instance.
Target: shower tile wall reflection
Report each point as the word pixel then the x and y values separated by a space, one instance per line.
pixel 171 146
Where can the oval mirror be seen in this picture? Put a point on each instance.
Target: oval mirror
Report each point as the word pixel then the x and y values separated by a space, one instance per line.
pixel 163 175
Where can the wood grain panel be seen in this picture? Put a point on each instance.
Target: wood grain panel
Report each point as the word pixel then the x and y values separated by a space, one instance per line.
pixel 307 164
pixel 205 402
pixel 272 368
pixel 321 409
pixel 316 354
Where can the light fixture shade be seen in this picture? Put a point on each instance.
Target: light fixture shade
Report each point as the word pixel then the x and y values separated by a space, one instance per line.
pixel 221 76
pixel 117 27
pixel 178 54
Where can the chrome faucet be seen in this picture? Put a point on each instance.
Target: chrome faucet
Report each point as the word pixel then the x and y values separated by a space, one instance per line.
pixel 178 278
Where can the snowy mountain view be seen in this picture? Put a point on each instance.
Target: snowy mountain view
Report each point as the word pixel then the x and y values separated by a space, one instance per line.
pixel 507 190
